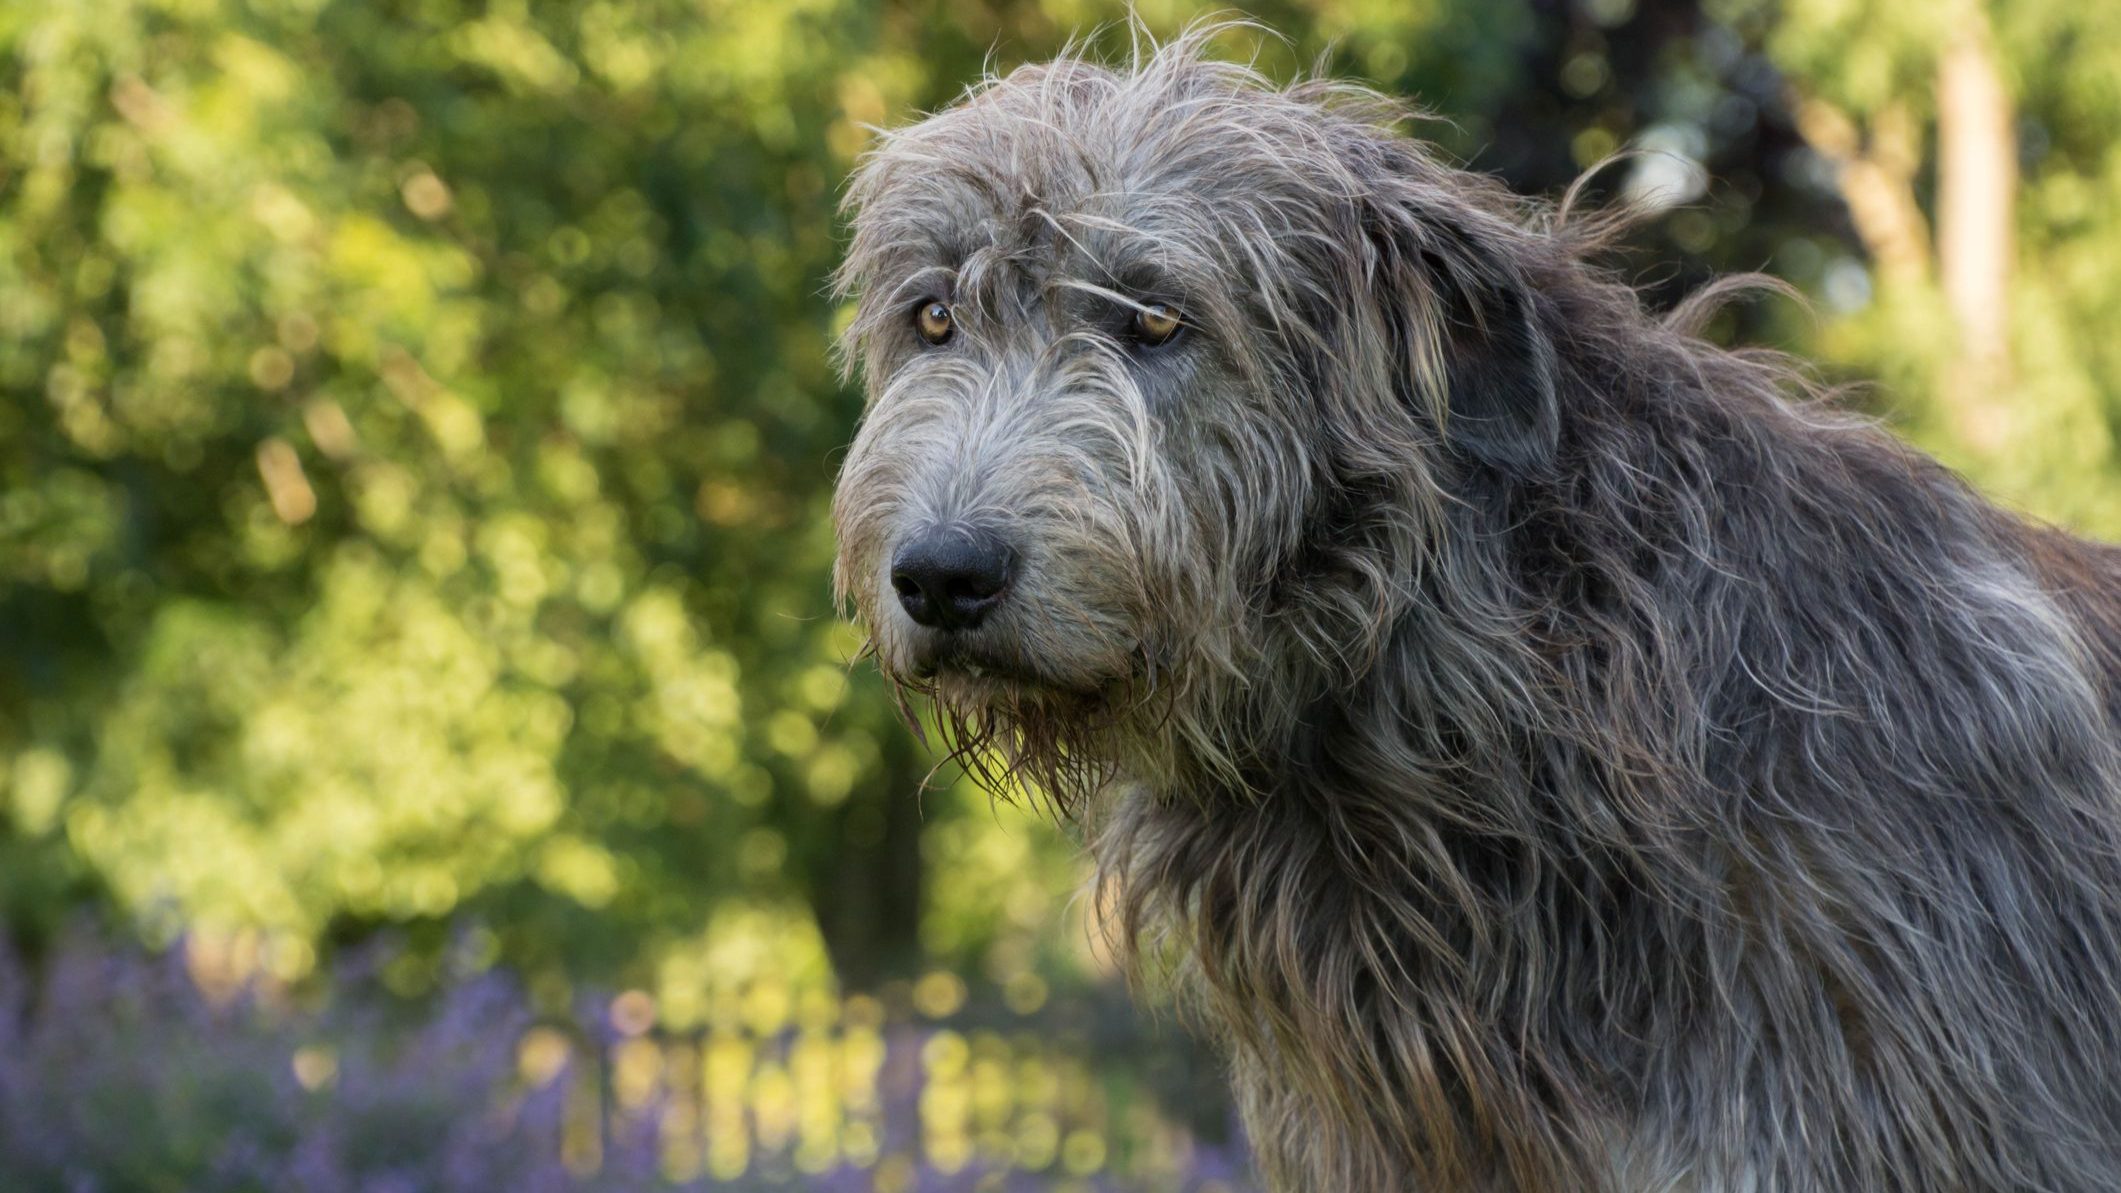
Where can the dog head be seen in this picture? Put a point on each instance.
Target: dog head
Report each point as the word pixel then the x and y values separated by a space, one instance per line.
pixel 1171 373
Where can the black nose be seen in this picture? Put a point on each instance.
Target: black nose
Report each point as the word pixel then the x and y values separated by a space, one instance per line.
pixel 951 577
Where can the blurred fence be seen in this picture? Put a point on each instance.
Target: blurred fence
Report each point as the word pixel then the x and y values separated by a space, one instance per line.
pixel 121 1072
pixel 862 1100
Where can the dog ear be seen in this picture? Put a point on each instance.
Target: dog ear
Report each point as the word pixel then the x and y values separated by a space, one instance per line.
pixel 1499 368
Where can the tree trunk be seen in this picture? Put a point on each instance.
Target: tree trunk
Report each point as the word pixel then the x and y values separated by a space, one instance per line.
pixel 1977 177
pixel 866 880
pixel 1877 181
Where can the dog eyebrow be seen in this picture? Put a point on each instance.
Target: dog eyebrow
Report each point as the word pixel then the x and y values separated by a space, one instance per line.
pixel 1134 298
pixel 930 281
pixel 1130 262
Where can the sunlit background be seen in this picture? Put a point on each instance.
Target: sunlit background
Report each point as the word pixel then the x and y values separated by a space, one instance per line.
pixel 429 755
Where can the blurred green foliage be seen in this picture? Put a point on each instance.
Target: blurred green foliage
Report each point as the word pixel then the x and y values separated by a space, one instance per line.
pixel 419 418
pixel 2056 450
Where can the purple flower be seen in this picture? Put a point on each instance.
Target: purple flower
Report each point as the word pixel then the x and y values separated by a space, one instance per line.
pixel 117 1074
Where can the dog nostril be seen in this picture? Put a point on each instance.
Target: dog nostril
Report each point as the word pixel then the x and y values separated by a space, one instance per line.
pixel 951 578
pixel 974 587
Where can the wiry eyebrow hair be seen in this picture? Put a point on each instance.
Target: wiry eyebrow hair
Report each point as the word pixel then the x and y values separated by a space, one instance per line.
pixel 1133 298
pixel 928 281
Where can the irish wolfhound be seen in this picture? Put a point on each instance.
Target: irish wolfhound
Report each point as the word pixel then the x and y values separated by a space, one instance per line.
pixel 1557 753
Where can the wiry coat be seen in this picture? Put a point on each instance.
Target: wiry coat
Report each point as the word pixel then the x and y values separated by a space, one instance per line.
pixel 1558 753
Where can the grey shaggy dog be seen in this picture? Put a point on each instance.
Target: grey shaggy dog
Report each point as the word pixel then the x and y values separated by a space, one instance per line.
pixel 1553 752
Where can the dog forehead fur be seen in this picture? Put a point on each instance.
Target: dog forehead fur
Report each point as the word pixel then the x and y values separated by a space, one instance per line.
pixel 1554 751
pixel 1194 183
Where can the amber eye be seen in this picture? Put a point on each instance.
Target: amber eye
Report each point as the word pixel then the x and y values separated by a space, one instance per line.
pixel 1155 323
pixel 932 320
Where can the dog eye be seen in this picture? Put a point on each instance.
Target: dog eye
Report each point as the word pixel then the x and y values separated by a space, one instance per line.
pixel 932 320
pixel 1155 324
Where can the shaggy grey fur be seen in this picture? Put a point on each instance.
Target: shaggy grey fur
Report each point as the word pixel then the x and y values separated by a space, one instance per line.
pixel 1555 752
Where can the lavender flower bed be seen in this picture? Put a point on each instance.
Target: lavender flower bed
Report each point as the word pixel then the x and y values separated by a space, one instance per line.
pixel 117 1074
